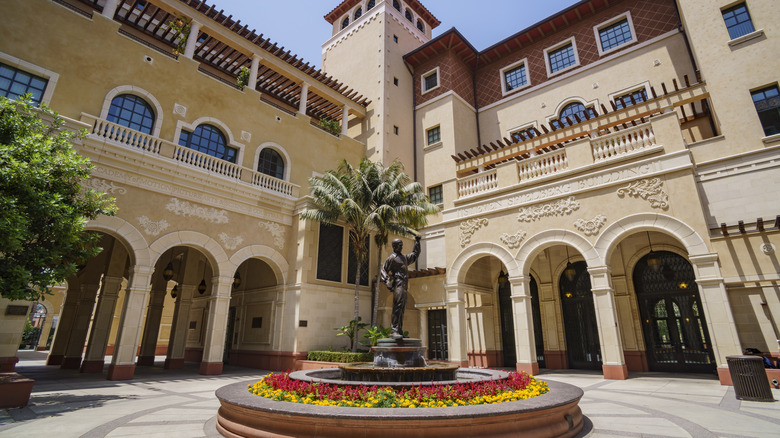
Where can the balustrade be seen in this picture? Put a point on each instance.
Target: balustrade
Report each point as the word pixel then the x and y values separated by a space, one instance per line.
pixel 207 162
pixel 126 136
pixel 542 165
pixel 623 142
pixel 481 182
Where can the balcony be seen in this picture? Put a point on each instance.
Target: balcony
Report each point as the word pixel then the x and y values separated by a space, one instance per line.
pixel 109 132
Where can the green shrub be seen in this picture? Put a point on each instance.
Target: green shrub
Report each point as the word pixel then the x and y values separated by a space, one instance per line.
pixel 340 356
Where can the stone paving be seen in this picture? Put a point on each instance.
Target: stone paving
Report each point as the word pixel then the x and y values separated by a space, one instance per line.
pixel 181 403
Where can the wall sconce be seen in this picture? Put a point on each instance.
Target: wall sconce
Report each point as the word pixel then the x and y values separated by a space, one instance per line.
pixel 175 291
pixel 236 280
pixel 570 273
pixel 653 261
pixel 683 285
pixel 503 277
pixel 202 285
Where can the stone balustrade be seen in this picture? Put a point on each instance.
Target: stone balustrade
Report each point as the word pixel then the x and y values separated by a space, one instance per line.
pixel 479 183
pixel 542 165
pixel 623 142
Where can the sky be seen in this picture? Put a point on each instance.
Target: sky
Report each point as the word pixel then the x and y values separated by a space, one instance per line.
pixel 299 26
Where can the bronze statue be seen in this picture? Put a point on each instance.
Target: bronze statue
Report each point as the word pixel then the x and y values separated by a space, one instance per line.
pixel 394 274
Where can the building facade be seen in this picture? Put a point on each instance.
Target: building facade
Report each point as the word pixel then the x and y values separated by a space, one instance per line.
pixel 608 179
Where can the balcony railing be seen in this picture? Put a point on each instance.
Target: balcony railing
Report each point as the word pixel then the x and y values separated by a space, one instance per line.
pixel 132 139
pixel 481 182
pixel 623 142
pixel 543 165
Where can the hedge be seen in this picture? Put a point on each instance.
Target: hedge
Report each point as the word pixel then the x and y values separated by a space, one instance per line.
pixel 340 356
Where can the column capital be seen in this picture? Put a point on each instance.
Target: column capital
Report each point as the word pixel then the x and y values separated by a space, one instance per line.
pixel 599 270
pixel 704 259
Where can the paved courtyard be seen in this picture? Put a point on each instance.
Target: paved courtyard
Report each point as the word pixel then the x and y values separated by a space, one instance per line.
pixel 181 403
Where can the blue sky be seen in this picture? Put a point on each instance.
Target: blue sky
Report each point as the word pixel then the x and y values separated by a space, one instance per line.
pixel 298 24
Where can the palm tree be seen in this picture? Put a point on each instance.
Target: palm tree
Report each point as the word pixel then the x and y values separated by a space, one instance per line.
pixel 347 194
pixel 401 208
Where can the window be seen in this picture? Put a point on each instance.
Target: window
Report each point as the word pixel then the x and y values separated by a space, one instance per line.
pixel 435 194
pixel 358 13
pixel 395 130
pixel 767 101
pixel 523 134
pixel 345 23
pixel 370 4
pixel 615 35
pixel 434 135
pixel 562 58
pixel 631 98
pixel 15 83
pixel 396 5
pixel 395 81
pixel 395 39
pixel 408 15
pixel 738 20
pixel 351 262
pixel 209 140
pixel 131 111
pixel 514 77
pixel 430 80
pixel 420 25
pixel 570 110
pixel 329 250
pixel 271 163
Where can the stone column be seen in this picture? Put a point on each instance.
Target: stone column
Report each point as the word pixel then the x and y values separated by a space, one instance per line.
pixel 80 327
pixel 64 325
pixel 253 71
pixel 613 362
pixel 216 325
pixel 456 325
pixel 110 8
pixel 344 120
pixel 523 319
pixel 304 98
pixel 177 343
pixel 192 38
pixel 101 325
pixel 423 327
pixel 151 330
pixel 717 311
pixel 123 362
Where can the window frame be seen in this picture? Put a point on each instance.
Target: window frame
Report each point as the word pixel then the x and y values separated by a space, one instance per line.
pixel 181 125
pixel 731 8
pixel 420 25
pixel 358 13
pixel 758 114
pixel 428 74
pixel 428 131
pixel 604 24
pixel 555 117
pixel 441 194
pixel 345 22
pixel 331 254
pixel 504 90
pixel 147 105
pixel 630 90
pixel 280 157
pixel 278 149
pixel 569 41
pixel 140 92
pixel 30 68
pixel 511 132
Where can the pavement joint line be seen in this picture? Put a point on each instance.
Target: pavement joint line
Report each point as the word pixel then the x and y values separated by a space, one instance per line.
pixel 105 428
pixel 160 423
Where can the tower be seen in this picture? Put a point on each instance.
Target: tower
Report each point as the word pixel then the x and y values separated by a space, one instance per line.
pixel 366 51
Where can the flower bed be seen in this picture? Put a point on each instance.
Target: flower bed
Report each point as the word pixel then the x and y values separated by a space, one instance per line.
pixel 517 386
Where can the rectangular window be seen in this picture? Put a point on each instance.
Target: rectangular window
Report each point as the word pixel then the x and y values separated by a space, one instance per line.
pixel 631 98
pixel 363 266
pixel 329 252
pixel 767 101
pixel 430 80
pixel 435 194
pixel 561 58
pixel 395 130
pixel 615 35
pixel 395 81
pixel 515 78
pixel 15 83
pixel 434 135
pixel 738 20
pixel 395 39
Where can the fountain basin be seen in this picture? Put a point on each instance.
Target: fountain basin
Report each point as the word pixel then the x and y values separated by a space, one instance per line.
pixel 554 414
pixel 366 373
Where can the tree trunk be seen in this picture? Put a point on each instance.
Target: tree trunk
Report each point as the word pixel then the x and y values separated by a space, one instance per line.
pixel 375 291
pixel 357 303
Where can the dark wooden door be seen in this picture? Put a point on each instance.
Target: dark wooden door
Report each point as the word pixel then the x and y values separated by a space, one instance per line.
pixel 437 335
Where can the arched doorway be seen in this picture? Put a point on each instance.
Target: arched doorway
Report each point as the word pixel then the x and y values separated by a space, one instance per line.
pixel 579 317
pixel 508 326
pixel 673 324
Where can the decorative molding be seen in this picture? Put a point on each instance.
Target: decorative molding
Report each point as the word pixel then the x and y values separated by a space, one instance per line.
pixel 276 230
pixel 591 227
pixel 184 208
pixel 555 208
pixel 469 227
pixel 230 243
pixel 246 136
pixel 104 186
pixel 648 189
pixel 513 240
pixel 153 228
pixel 179 110
pixel 768 248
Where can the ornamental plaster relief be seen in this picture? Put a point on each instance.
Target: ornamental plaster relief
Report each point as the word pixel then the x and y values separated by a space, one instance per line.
pixel 179 110
pixel 469 227
pixel 153 228
pixel 591 227
pixel 230 243
pixel 184 208
pixel 513 240
pixel 276 230
pixel 104 186
pixel 651 190
pixel 556 208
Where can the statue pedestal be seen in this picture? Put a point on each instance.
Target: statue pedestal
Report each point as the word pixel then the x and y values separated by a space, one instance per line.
pixel 401 353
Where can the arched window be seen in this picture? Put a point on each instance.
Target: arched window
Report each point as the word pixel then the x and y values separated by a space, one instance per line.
pixel 358 13
pixel 271 163
pixel 396 5
pixel 371 4
pixel 420 25
pixel 570 110
pixel 133 112
pixel 408 15
pixel 209 140
pixel 345 23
